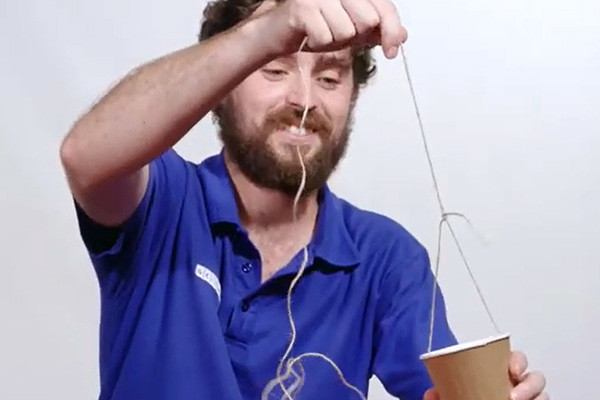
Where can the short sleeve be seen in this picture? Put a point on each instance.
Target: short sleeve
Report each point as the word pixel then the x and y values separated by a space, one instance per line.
pixel 402 327
pixel 116 253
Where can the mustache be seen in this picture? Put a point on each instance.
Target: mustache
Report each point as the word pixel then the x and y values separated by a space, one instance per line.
pixel 289 116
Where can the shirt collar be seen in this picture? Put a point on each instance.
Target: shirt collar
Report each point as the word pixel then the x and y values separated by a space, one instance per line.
pixel 218 191
pixel 332 242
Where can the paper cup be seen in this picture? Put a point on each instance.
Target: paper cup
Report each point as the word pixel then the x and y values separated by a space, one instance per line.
pixel 475 370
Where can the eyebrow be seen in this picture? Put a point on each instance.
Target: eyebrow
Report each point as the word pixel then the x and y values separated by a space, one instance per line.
pixel 332 61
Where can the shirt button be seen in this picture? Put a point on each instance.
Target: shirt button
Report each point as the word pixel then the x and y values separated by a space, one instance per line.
pixel 245 305
pixel 247 267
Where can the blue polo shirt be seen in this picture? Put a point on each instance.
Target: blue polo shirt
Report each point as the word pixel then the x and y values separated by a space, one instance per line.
pixel 184 315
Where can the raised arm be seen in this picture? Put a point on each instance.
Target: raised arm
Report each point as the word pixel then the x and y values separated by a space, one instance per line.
pixel 106 153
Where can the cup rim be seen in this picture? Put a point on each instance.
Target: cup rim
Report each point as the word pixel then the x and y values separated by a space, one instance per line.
pixel 464 346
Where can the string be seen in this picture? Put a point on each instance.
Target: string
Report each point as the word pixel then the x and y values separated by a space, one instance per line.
pixel 298 381
pixel 299 378
pixel 443 218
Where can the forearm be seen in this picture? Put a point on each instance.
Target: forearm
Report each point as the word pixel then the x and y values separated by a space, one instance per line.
pixel 153 107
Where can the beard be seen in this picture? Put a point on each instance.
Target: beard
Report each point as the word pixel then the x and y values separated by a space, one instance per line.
pixel 260 162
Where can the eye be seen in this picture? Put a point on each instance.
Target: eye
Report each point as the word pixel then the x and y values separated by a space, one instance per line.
pixel 328 82
pixel 274 73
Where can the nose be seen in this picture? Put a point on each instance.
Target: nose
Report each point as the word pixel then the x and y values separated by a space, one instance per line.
pixel 299 94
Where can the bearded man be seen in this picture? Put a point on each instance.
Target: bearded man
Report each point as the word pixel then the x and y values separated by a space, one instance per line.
pixel 194 260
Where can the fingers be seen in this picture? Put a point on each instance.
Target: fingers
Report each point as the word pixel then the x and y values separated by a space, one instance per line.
pixel 363 15
pixel 517 365
pixel 531 387
pixel 351 22
pixel 332 24
pixel 317 31
pixel 392 32
pixel 431 394
pixel 543 396
pixel 341 26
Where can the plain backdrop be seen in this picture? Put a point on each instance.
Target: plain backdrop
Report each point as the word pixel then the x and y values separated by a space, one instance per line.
pixel 509 91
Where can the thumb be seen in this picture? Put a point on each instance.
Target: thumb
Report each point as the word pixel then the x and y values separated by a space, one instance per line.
pixel 431 394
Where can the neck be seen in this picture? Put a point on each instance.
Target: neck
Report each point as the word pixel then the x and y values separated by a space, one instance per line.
pixel 269 209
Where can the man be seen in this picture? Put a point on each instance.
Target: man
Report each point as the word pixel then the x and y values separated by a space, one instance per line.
pixel 194 261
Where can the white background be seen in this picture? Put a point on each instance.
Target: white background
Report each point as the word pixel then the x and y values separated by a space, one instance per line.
pixel 509 92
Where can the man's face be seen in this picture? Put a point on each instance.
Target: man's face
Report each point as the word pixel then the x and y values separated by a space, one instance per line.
pixel 259 120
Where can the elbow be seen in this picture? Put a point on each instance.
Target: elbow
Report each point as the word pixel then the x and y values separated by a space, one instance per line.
pixel 73 163
pixel 67 154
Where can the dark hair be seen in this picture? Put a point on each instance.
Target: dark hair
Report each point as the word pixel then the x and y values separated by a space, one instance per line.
pixel 221 15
